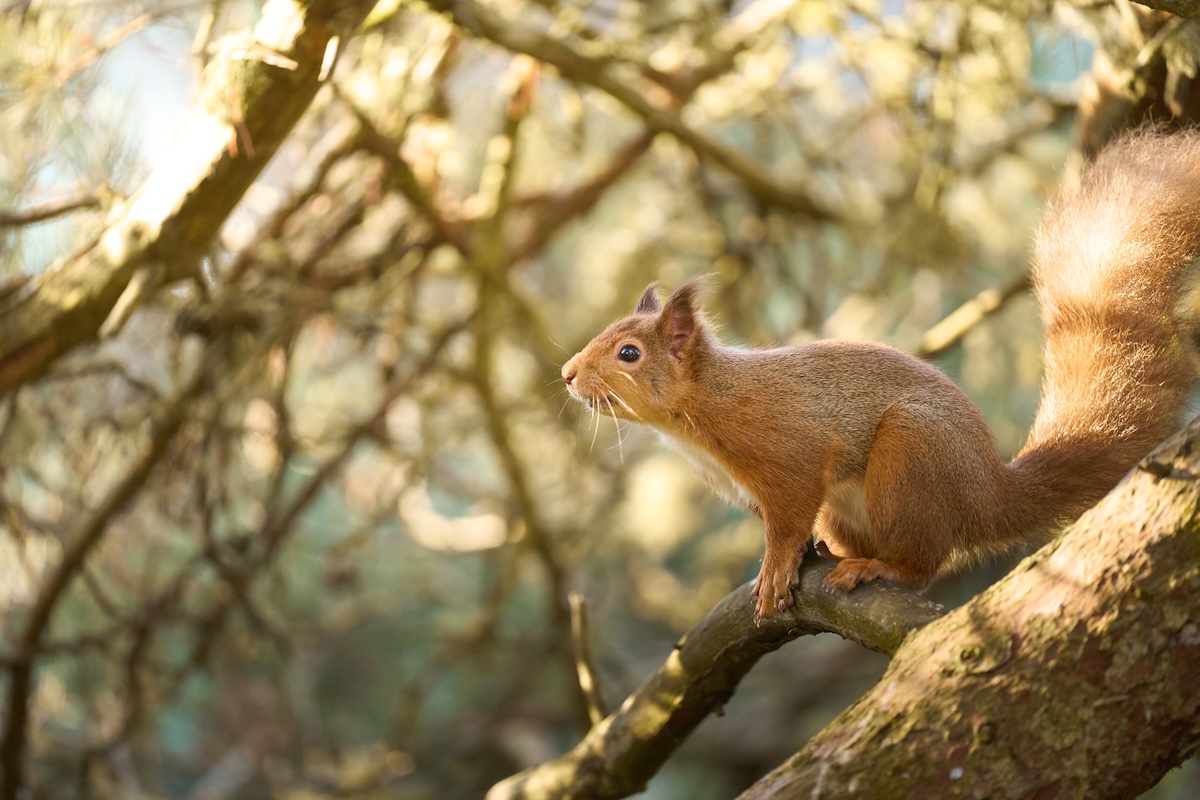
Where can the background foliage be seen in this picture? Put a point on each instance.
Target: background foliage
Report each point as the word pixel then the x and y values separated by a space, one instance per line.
pixel 343 571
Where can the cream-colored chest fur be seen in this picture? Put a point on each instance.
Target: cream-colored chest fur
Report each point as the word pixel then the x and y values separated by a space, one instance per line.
pixel 711 470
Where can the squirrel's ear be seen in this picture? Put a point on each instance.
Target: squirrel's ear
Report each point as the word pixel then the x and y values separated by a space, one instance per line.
pixel 680 321
pixel 649 303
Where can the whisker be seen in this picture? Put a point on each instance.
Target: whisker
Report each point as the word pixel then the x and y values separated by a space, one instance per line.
pixel 625 405
pixel 595 428
pixel 563 407
pixel 617 425
pixel 609 391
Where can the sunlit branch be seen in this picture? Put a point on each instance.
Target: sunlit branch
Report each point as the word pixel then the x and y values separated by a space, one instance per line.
pixel 950 331
pixel 585 667
pixel 175 215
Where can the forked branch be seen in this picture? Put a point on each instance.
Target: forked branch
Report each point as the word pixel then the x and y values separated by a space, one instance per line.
pixel 620 754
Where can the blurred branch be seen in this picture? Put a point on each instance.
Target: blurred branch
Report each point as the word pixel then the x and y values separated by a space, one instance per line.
pixel 345 139
pixel 493 197
pixel 404 178
pixel 618 756
pixel 491 258
pixel 537 536
pixel 585 668
pixel 548 213
pixel 12 285
pixel 204 30
pixel 76 549
pixel 950 331
pixel 733 39
pixel 175 214
pixel 280 524
pixel 758 179
pixel 32 216
pixel 89 56
pixel 1049 112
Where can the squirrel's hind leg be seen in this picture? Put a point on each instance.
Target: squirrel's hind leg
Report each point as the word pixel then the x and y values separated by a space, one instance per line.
pixel 837 535
pixel 912 488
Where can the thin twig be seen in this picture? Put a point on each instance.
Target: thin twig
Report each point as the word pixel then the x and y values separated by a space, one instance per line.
pixel 758 178
pixel 32 216
pixel 950 331
pixel 585 668
pixel 75 552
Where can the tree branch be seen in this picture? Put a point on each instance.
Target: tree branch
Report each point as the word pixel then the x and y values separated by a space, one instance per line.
pixel 256 92
pixel 1180 8
pixel 618 756
pixel 32 216
pixel 75 552
pixel 958 323
pixel 1075 675
pixel 585 668
pixel 547 214
pixel 482 21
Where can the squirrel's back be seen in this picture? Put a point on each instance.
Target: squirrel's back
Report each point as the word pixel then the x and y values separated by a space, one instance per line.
pixel 1115 274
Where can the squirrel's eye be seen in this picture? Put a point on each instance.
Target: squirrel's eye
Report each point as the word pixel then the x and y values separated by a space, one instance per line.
pixel 629 354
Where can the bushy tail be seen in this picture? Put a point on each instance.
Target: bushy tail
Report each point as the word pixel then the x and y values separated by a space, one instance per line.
pixel 1115 272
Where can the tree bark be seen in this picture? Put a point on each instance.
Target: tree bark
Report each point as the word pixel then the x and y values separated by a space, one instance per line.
pixel 1078 675
pixel 1180 8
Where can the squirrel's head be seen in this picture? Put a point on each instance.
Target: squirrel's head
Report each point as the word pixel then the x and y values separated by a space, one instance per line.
pixel 641 366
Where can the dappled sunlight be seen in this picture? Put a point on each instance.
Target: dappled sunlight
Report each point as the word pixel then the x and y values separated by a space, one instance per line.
pixel 453 534
pixel 299 514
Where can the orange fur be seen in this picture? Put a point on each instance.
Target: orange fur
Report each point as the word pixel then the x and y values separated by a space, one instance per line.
pixel 881 453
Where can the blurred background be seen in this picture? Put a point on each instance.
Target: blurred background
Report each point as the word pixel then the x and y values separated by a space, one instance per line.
pixel 344 573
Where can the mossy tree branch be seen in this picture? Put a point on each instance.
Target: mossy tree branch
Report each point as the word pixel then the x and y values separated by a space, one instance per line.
pixel 1180 8
pixel 620 754
pixel 1078 674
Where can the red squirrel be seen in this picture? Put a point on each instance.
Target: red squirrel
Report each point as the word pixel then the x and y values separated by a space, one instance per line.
pixel 880 453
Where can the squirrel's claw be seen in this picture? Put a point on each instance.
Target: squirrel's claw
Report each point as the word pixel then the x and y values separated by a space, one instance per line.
pixel 773 590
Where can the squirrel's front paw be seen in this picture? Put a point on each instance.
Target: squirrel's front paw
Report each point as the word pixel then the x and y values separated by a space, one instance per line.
pixel 773 588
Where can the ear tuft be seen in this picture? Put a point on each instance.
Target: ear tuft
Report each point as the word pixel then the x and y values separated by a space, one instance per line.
pixel 682 318
pixel 649 303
